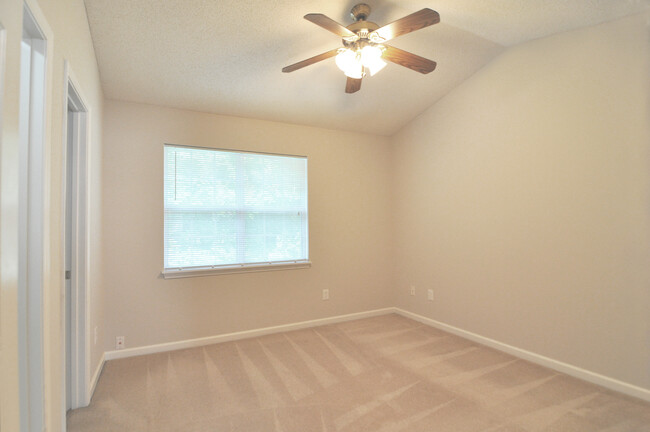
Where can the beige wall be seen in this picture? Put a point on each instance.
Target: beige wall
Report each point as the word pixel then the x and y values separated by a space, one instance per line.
pixel 523 199
pixel 71 41
pixel 349 223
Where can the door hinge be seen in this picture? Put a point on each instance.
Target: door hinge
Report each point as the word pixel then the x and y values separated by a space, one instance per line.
pixel 68 275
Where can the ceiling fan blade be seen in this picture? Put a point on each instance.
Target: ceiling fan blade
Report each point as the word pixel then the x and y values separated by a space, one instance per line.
pixel 409 23
pixel 409 60
pixel 311 60
pixel 352 85
pixel 331 25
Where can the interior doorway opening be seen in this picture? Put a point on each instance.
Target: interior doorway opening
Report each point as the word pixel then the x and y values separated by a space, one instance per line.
pixel 31 225
pixel 75 247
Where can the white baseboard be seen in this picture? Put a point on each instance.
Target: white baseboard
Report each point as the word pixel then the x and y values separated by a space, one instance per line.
pixel 574 371
pixel 577 372
pixel 93 381
pixel 190 343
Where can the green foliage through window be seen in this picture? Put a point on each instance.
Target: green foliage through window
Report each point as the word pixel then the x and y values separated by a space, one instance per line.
pixel 227 208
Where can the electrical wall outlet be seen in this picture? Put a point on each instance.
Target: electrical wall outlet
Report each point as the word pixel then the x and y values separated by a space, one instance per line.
pixel 430 295
pixel 119 342
pixel 412 290
pixel 95 335
pixel 326 294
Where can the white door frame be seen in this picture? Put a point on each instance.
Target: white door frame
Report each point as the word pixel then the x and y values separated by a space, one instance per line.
pixel 79 319
pixel 3 44
pixel 33 229
pixel 3 39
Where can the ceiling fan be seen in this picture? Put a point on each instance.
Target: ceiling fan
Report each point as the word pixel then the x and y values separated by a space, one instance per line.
pixel 363 44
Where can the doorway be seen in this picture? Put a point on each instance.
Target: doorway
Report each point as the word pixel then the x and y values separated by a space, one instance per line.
pixel 75 205
pixel 31 222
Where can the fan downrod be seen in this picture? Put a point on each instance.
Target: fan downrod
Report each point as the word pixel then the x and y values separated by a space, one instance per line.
pixel 360 12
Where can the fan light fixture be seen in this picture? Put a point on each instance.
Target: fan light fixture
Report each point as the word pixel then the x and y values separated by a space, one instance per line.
pixel 364 44
pixel 353 62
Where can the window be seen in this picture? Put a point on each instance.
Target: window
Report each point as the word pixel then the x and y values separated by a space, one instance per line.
pixel 230 211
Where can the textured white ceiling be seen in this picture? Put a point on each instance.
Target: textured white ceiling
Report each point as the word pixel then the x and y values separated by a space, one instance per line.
pixel 226 56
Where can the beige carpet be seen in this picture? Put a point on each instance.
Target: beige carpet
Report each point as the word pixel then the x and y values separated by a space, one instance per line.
pixel 379 374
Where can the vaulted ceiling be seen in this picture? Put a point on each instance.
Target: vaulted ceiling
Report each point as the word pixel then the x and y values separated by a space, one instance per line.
pixel 226 56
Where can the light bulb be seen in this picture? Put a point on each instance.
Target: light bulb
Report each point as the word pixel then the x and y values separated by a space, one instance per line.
pixel 350 63
pixel 371 58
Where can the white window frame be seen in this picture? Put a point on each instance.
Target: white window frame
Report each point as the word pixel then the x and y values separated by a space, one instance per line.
pixel 183 272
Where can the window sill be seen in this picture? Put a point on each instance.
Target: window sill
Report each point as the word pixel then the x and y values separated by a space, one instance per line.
pixel 175 273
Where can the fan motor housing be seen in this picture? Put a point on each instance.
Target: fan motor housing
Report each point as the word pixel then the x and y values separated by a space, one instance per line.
pixel 360 12
pixel 362 25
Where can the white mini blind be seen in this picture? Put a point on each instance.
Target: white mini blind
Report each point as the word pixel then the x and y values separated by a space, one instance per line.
pixel 226 208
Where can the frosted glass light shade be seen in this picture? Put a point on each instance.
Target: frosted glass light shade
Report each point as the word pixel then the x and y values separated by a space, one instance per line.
pixel 371 58
pixel 350 63
pixel 355 71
